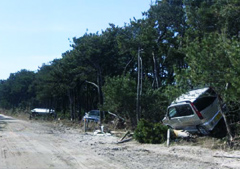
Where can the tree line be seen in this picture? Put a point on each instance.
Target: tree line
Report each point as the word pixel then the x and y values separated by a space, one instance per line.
pixel 136 70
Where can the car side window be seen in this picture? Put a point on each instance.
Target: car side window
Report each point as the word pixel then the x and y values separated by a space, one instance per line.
pixel 180 110
pixel 172 112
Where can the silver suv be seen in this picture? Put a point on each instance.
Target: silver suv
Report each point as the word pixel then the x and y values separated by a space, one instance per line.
pixel 195 111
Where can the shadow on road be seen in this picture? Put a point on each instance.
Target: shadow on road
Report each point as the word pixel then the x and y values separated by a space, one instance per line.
pixel 4 120
pixel 2 117
pixel 2 125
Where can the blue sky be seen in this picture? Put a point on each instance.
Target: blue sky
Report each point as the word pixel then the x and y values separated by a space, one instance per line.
pixel 34 32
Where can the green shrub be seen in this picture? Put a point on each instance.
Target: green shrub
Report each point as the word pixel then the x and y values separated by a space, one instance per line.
pixel 147 132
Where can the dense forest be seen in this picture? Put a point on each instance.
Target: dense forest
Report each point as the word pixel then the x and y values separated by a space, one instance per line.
pixel 136 70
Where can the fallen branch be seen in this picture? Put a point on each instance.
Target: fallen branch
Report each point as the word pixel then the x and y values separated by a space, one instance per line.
pixel 125 135
pixel 117 132
pixel 225 156
pixel 123 141
pixel 115 115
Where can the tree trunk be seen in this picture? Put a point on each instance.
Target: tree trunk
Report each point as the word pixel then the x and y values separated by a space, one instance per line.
pixel 155 81
pixel 79 103
pixel 225 119
pixel 139 87
pixel 71 104
pixel 100 93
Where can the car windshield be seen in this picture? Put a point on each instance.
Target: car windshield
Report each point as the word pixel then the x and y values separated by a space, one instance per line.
pixel 94 113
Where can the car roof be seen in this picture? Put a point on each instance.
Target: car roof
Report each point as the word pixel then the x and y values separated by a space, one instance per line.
pixel 41 110
pixel 190 96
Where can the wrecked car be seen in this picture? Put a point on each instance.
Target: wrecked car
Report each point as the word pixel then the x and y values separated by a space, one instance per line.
pixel 42 112
pixel 93 115
pixel 196 111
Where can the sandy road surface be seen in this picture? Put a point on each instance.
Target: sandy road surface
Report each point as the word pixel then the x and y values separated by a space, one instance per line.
pixel 32 144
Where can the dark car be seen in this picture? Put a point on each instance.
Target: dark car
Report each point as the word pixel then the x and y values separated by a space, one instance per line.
pixel 93 115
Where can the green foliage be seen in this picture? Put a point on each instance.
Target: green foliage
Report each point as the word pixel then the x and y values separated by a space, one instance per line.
pixel 16 90
pixel 212 49
pixel 213 61
pixel 208 61
pixel 171 92
pixel 154 104
pixel 184 44
pixel 147 132
pixel 120 96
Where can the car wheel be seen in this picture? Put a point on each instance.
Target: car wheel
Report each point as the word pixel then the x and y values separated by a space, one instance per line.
pixel 202 130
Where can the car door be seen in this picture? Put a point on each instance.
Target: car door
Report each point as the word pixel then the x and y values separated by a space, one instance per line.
pixel 187 116
pixel 173 117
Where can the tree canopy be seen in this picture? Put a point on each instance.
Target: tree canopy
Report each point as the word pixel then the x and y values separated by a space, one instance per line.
pixel 181 44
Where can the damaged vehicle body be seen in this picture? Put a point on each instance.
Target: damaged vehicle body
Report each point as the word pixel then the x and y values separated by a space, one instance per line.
pixel 42 112
pixel 93 115
pixel 196 111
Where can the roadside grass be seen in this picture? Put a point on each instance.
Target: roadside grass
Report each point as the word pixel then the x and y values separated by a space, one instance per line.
pixel 218 140
pixel 16 113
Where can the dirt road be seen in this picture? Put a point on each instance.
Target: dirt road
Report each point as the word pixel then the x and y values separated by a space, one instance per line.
pixel 33 144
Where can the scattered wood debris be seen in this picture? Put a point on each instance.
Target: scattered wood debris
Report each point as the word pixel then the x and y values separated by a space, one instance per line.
pixel 226 156
pixel 126 137
pixel 178 134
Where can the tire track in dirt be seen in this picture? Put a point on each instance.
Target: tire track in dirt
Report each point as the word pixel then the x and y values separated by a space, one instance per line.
pixel 32 145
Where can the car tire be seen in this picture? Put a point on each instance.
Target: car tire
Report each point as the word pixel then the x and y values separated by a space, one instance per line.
pixel 202 130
